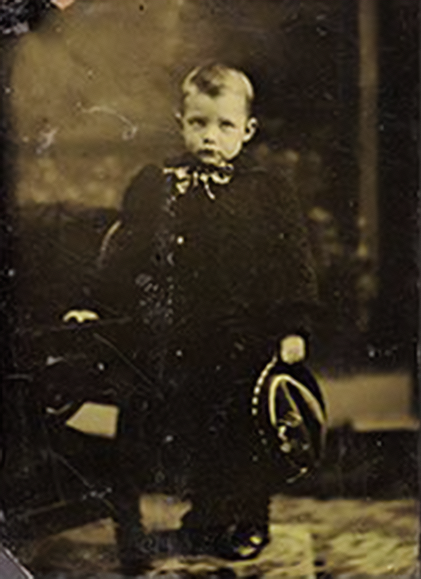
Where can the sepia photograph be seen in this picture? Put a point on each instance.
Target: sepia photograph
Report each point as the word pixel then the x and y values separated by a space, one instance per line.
pixel 209 289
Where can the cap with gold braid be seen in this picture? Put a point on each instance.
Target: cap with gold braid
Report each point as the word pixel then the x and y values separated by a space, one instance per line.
pixel 289 414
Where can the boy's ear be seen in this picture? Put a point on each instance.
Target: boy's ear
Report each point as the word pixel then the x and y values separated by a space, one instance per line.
pixel 179 118
pixel 251 129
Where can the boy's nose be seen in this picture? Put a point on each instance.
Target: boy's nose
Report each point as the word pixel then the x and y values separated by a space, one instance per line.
pixel 209 140
pixel 209 136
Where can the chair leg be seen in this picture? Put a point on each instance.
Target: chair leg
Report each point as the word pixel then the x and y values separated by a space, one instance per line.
pixel 131 540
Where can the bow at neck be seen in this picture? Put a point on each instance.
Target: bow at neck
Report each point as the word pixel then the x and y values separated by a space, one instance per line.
pixel 188 177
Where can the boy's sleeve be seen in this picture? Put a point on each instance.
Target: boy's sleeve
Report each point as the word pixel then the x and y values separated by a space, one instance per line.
pixel 109 287
pixel 290 275
pixel 141 199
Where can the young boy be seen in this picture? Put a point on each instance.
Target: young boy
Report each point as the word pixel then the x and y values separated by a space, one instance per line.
pixel 210 262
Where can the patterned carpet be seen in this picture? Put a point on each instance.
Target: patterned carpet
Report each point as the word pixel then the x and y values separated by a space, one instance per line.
pixel 310 538
pixel 357 537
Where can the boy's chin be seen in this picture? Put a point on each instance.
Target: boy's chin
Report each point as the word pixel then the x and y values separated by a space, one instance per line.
pixel 211 158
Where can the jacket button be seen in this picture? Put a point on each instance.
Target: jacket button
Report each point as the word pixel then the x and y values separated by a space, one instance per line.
pixel 180 240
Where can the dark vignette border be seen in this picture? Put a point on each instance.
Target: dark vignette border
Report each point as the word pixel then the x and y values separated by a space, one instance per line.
pixel 399 118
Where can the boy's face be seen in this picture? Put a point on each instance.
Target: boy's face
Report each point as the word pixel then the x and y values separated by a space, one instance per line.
pixel 215 128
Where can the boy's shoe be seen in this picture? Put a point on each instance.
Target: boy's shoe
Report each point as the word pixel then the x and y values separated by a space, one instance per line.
pixel 229 544
pixel 242 544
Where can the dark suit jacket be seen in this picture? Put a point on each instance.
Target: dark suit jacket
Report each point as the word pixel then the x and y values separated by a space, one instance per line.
pixel 195 275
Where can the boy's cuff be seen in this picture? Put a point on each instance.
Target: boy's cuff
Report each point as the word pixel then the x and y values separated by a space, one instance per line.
pixel 292 349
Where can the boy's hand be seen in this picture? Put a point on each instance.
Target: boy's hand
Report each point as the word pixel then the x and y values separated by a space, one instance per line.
pixel 293 349
pixel 80 316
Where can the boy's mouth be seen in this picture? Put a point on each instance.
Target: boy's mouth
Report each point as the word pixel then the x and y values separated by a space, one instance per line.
pixel 209 154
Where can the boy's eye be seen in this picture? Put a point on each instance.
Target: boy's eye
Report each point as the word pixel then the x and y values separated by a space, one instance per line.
pixel 226 124
pixel 197 122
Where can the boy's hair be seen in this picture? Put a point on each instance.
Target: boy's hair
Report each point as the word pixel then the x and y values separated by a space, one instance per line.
pixel 214 79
